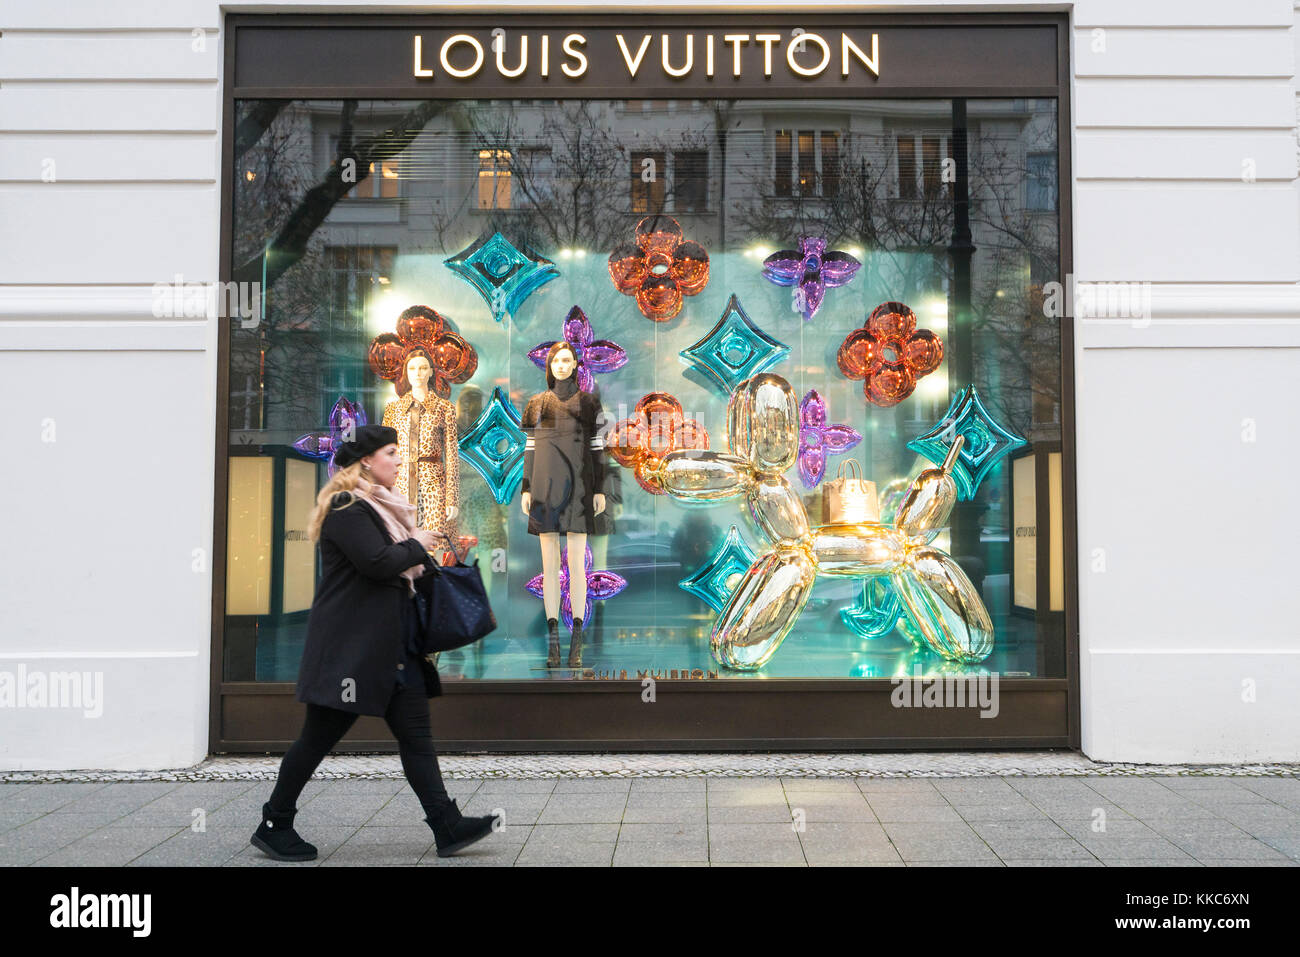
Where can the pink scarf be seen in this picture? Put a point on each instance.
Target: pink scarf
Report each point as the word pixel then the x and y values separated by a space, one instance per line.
pixel 399 518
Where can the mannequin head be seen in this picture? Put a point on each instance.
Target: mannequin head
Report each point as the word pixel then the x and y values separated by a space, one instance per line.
pixel 561 363
pixel 417 371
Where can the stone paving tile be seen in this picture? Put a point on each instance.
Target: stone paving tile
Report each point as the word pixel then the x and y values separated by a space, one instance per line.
pixel 50 797
pixel 673 785
pixel 1183 861
pixel 1043 828
pixel 1246 862
pixel 488 852
pixel 760 863
pixel 754 843
pixel 603 833
pixel 661 852
pixel 1018 811
pixel 1071 862
pixel 588 853
pixel 1288 844
pixel 976 791
pixel 982 862
pixel 824 811
pixel 901 789
pixel 1137 848
pixel 581 813
pixel 8 820
pixel 592 786
pixel 194 849
pixel 1202 847
pixel 667 799
pixel 394 834
pixel 902 812
pixel 847 843
pixel 1037 849
pixel 665 813
pixel 938 842
pixel 1168 812
pixel 108 847
pixel 49 832
pixel 832 785
pixel 662 832
pixel 354 809
pixel 377 855
pixel 770 813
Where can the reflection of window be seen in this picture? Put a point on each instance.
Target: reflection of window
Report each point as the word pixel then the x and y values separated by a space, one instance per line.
pixel 807 163
pixel 647 182
pixel 533 175
pixel 494 179
pixel 1042 181
pixel 374 180
pixel 691 181
pixel 920 165
pixel 356 273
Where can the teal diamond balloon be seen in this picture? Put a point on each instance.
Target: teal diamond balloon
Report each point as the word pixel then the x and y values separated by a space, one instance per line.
pixel 709 584
pixel 503 275
pixel 734 350
pixel 876 611
pixel 986 443
pixel 495 446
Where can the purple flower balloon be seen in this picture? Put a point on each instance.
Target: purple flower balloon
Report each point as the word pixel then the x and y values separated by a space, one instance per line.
pixel 345 418
pixel 600 586
pixel 812 268
pixel 817 439
pixel 593 355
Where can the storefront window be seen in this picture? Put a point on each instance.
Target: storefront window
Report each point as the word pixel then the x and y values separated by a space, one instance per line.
pixel 568 181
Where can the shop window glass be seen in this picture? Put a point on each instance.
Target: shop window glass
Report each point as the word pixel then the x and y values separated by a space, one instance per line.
pixel 562 180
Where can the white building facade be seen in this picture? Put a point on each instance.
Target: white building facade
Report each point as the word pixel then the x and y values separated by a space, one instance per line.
pixel 1183 190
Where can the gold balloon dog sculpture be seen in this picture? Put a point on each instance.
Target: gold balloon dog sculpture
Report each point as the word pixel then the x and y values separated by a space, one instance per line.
pixel 763 443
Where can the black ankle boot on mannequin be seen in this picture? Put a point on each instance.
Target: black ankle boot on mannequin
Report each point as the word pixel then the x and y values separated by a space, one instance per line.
pixel 276 837
pixel 552 643
pixel 575 645
pixel 454 832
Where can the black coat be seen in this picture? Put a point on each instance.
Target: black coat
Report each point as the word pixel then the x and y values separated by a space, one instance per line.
pixel 354 629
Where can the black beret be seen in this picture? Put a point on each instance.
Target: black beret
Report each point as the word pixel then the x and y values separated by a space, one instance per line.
pixel 367 440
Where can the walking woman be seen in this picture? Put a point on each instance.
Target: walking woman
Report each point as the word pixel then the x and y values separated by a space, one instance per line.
pixel 362 653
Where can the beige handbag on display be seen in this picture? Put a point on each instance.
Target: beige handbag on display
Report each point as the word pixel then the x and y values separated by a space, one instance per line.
pixel 849 500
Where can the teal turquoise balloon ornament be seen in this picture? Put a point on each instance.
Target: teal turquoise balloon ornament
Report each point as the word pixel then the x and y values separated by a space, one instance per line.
pixel 876 612
pixel 734 349
pixel 494 446
pixel 503 275
pixel 985 443
pixel 716 580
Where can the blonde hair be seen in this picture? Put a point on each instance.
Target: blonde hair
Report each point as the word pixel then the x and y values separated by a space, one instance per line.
pixel 344 480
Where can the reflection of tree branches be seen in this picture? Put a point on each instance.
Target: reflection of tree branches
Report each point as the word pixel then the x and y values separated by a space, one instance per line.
pixel 290 243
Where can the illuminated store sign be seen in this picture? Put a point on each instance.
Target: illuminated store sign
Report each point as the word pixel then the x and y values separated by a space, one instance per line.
pixel 464 55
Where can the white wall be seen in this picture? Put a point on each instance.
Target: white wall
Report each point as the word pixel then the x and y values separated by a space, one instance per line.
pixel 1192 524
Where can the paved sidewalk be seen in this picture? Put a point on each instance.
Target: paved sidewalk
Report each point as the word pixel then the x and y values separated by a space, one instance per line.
pixel 680 820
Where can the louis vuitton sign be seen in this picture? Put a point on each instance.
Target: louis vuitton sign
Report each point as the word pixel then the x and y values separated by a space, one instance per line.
pixel 804 53
pixel 570 56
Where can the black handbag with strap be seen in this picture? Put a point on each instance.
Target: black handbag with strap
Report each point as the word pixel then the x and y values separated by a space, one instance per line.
pixel 454 604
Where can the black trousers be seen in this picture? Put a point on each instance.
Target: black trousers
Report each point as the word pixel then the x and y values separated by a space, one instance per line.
pixel 408 719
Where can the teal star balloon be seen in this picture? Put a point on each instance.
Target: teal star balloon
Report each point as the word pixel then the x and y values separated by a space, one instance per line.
pixel 709 584
pixel 986 443
pixel 503 275
pixel 495 446
pixel 876 611
pixel 734 349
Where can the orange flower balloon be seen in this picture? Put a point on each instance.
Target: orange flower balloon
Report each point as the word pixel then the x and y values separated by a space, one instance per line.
pixel 657 426
pixel 889 354
pixel 659 268
pixel 419 327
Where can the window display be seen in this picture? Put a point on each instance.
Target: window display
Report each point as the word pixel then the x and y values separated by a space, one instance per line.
pixel 685 498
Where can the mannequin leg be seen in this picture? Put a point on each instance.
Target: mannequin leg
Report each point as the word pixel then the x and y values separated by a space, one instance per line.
pixel 577 549
pixel 551 574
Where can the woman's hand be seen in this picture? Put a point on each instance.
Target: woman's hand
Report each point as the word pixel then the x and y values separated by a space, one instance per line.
pixel 425 538
pixel 452 512
pixel 527 501
pixel 598 503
